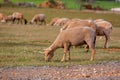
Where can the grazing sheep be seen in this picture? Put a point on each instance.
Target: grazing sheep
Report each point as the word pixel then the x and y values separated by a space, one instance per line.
pixel 8 18
pixel 53 21
pixel 104 28
pixel 2 16
pixel 38 18
pixel 72 37
pixel 5 18
pixel 61 21
pixel 78 22
pixel 18 16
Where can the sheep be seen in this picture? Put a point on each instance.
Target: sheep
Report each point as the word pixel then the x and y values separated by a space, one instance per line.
pixel 2 16
pixel 8 18
pixel 38 18
pixel 61 21
pixel 19 16
pixel 53 21
pixel 72 37
pixel 78 22
pixel 104 28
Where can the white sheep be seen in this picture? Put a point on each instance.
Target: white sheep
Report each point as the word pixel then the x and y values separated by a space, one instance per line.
pixel 104 28
pixel 79 23
pixel 72 37
pixel 59 21
pixel 38 18
pixel 53 21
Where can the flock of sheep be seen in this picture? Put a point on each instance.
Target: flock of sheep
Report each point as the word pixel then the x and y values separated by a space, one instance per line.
pixel 20 18
pixel 74 32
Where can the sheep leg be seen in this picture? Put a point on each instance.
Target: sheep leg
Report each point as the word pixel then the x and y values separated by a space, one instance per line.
pixel 21 21
pixel 91 44
pixel 107 41
pixel 13 20
pixel 66 50
pixel 68 55
pixel 18 21
pixel 64 57
pixel 87 48
pixel 92 54
pixel 36 22
pixel 43 22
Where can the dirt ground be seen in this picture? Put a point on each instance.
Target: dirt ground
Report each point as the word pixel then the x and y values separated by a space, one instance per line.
pixel 104 71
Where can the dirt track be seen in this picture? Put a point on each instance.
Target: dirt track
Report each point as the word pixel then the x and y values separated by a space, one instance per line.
pixel 104 71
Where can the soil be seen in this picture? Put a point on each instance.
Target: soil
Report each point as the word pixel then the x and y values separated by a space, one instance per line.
pixel 103 71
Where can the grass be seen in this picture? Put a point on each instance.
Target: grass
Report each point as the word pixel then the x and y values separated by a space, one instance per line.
pixel 34 1
pixel 73 4
pixel 22 45
pixel 107 4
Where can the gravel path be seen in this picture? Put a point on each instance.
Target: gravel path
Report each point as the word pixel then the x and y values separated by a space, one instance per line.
pixel 104 71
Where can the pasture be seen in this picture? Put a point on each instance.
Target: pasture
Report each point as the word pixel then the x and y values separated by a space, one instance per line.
pixel 73 4
pixel 22 45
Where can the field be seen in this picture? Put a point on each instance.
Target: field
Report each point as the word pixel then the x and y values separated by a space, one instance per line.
pixel 73 4
pixel 22 45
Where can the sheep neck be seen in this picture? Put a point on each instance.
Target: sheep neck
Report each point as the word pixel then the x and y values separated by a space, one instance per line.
pixel 53 47
pixel 56 44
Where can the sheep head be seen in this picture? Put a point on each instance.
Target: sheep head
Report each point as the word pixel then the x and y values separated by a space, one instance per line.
pixel 31 22
pixel 48 54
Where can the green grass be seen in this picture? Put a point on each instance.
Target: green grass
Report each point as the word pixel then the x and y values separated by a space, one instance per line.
pixel 73 4
pixel 34 1
pixel 22 45
pixel 107 4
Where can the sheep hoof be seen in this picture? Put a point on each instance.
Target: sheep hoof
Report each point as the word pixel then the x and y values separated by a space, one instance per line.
pixel 63 60
pixel 87 50
pixel 91 59
pixel 69 59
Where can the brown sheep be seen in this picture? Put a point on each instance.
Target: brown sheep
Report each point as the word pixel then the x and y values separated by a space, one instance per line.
pixel 78 22
pixel 2 16
pixel 53 21
pixel 61 21
pixel 38 18
pixel 104 28
pixel 72 37
pixel 8 18
pixel 18 16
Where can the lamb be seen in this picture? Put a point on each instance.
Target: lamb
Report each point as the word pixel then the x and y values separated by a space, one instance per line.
pixel 38 18
pixel 104 28
pixel 72 37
